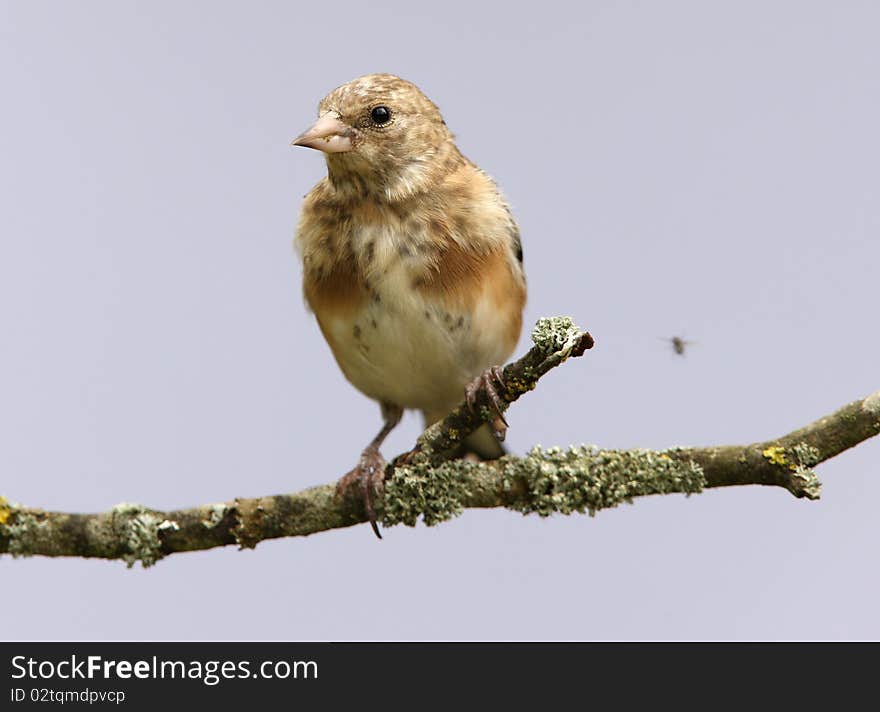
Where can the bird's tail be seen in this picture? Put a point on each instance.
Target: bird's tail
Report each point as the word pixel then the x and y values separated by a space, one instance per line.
pixel 482 442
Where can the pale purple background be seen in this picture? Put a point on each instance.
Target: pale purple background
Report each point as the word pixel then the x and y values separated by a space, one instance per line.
pixel 703 169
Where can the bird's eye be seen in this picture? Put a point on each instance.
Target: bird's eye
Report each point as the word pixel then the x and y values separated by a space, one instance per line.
pixel 380 115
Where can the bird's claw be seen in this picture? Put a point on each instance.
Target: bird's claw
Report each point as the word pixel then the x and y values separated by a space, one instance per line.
pixel 369 478
pixel 486 382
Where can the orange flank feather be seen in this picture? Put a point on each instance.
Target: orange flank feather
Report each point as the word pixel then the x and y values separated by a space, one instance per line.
pixel 460 278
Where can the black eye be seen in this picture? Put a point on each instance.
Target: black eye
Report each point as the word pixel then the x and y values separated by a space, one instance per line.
pixel 380 115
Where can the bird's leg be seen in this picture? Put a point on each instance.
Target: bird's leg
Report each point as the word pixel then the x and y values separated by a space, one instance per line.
pixel 369 474
pixel 486 382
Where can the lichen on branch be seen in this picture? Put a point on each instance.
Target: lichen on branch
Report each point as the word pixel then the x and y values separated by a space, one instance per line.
pixel 552 481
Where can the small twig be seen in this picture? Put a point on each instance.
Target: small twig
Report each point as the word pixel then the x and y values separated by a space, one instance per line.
pixel 555 341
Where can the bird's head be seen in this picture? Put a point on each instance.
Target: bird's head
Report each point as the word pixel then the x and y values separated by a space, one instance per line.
pixel 381 136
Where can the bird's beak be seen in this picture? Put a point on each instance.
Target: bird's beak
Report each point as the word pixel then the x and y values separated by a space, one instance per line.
pixel 327 134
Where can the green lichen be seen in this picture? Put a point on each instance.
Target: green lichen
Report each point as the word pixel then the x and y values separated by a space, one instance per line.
pixel 139 527
pixel 802 454
pixel 798 460
pixel 806 455
pixel 216 513
pixel 22 528
pixel 558 333
pixel 586 479
pixel 435 494
pixel 518 386
pixel 805 483
pixel 871 404
pixel 579 479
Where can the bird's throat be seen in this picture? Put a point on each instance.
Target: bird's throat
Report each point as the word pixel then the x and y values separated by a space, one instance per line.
pixel 392 180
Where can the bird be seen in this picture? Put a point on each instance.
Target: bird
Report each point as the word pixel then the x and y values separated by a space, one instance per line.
pixel 412 264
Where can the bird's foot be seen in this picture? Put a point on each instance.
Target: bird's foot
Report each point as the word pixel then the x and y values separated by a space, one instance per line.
pixel 487 382
pixel 406 458
pixel 366 481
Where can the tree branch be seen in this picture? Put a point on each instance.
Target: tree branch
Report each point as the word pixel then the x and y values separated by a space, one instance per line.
pixel 425 484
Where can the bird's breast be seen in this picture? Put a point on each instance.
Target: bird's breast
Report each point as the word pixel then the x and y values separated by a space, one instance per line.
pixel 412 331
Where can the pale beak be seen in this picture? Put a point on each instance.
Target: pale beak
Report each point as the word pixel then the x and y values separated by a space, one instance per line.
pixel 327 134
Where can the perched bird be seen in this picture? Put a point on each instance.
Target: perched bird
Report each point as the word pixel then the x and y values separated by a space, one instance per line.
pixel 412 262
